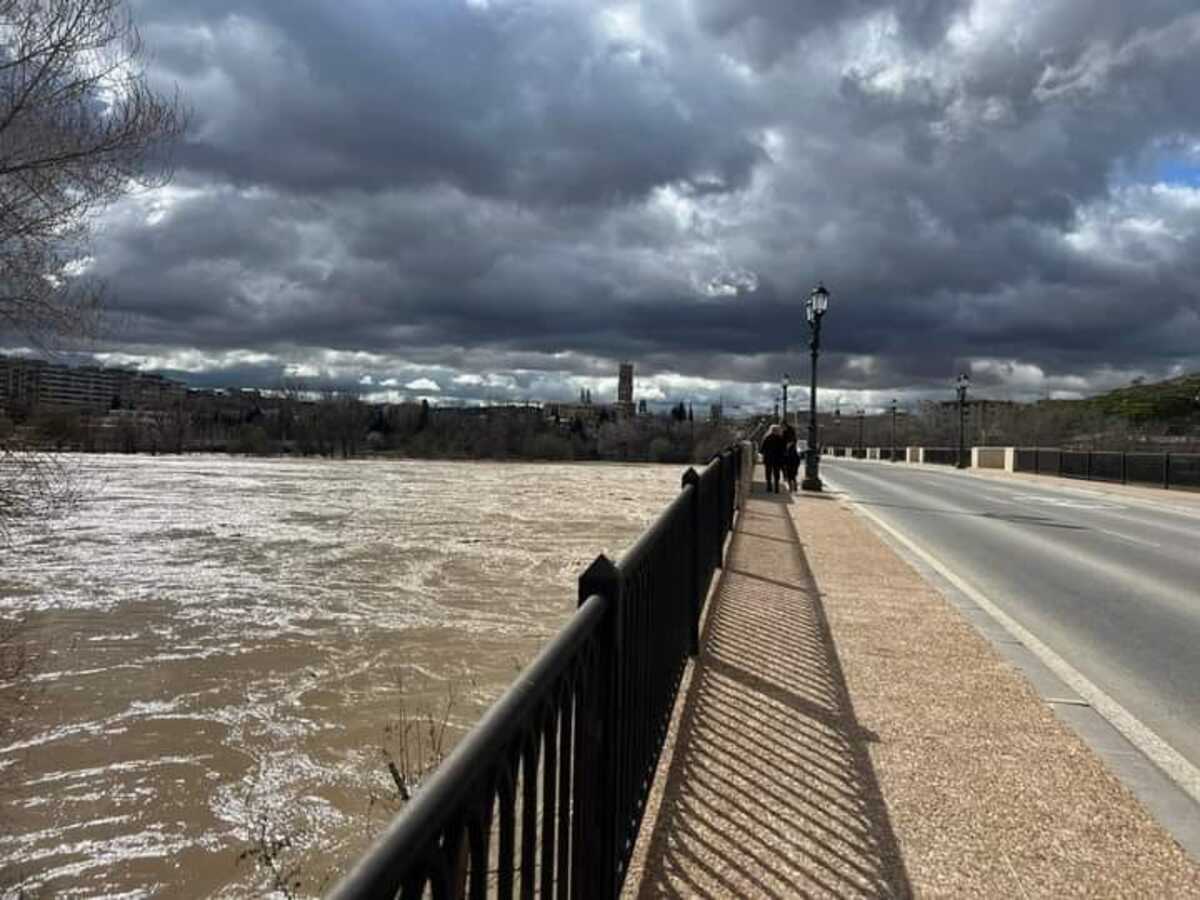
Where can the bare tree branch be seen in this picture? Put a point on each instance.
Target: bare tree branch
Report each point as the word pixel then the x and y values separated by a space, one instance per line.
pixel 80 127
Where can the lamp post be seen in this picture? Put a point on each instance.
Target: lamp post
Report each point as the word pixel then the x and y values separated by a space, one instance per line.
pixel 775 416
pixel 893 455
pixel 786 382
pixel 964 381
pixel 861 418
pixel 818 302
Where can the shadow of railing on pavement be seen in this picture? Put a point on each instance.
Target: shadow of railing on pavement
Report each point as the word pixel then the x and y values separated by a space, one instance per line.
pixel 771 791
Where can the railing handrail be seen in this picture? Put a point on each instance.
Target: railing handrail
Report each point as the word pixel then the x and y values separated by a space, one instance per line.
pixel 582 675
pixel 435 802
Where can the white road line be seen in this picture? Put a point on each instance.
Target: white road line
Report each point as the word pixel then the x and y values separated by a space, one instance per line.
pixel 1162 754
pixel 1126 537
pixel 1063 502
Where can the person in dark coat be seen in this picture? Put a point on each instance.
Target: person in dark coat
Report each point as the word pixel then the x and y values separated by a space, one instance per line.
pixel 772 450
pixel 791 464
pixel 791 456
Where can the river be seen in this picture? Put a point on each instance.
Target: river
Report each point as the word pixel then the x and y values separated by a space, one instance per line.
pixel 228 646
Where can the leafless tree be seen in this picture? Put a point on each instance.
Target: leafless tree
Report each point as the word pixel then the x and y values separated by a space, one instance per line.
pixel 80 127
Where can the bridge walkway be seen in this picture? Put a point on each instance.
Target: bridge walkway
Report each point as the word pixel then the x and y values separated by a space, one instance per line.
pixel 845 732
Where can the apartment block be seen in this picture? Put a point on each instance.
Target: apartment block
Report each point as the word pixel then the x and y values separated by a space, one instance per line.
pixel 31 384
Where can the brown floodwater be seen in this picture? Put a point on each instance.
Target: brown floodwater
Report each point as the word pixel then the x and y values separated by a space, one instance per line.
pixel 225 643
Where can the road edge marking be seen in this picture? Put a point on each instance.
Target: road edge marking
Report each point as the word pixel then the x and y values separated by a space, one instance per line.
pixel 1181 772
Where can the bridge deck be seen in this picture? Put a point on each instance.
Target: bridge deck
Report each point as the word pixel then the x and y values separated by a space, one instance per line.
pixel 846 733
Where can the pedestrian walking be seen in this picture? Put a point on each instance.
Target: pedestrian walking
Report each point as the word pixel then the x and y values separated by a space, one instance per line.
pixel 772 450
pixel 791 464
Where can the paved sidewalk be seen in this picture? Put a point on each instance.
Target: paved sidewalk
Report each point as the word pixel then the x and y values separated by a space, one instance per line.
pixel 846 733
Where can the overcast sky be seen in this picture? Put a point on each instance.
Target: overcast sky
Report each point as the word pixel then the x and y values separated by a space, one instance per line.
pixel 501 199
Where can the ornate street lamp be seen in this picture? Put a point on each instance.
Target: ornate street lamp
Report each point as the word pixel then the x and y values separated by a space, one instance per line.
pixel 786 382
pixel 818 302
pixel 861 418
pixel 893 456
pixel 961 385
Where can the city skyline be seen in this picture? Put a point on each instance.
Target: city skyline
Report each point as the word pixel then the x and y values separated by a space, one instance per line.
pixel 489 200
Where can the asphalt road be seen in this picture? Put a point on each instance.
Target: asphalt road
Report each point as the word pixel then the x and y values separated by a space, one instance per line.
pixel 1112 586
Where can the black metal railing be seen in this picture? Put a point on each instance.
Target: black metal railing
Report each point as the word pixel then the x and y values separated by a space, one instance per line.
pixel 1167 470
pixel 546 793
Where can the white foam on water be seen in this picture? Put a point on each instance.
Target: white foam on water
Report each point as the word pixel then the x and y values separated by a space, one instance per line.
pixel 225 637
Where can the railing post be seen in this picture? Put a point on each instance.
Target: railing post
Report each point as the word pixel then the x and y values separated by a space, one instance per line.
pixel 726 498
pixel 1123 467
pixel 718 504
pixel 1089 465
pixel 736 459
pixel 1166 471
pixel 1037 461
pixel 599 752
pixel 690 478
pixel 730 501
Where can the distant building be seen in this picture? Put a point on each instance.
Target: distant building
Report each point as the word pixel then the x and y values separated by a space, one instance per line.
pixel 29 384
pixel 566 413
pixel 625 383
pixel 624 405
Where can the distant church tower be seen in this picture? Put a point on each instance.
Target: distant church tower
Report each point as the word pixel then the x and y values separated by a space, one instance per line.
pixel 625 384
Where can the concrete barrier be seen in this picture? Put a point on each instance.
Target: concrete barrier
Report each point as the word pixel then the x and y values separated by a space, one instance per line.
pixel 993 458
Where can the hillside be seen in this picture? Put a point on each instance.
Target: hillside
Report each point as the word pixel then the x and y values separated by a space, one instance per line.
pixel 1162 400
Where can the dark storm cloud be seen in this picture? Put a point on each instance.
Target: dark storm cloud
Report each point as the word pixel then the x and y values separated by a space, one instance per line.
pixel 521 101
pixel 505 189
pixel 767 30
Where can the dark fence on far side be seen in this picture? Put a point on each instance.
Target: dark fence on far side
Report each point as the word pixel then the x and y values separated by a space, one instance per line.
pixel 941 456
pixel 545 795
pixel 1166 470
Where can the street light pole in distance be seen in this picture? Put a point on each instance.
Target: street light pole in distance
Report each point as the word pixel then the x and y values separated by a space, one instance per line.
pixel 961 385
pixel 893 454
pixel 818 303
